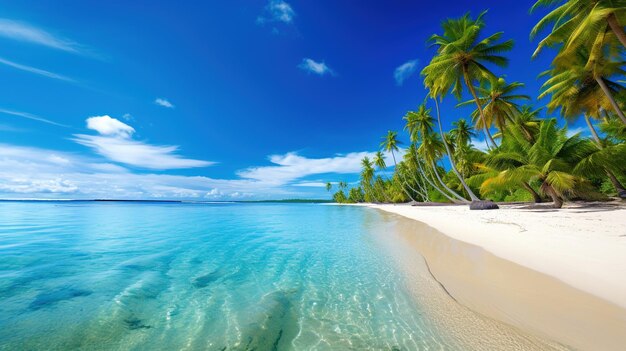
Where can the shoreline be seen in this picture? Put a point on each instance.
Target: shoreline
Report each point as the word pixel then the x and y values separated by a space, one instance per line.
pixel 563 284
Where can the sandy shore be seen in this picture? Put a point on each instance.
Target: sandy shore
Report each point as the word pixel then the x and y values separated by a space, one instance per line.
pixel 559 274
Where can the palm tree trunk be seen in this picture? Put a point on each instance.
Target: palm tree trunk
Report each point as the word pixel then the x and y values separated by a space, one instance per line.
pixel 431 183
pixel 556 199
pixel 422 190
pixel 536 198
pixel 608 94
pixel 616 183
pixel 596 138
pixel 480 108
pixel 617 29
pixel 452 164
pixel 434 167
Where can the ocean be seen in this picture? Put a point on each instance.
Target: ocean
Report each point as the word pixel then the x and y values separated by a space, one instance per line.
pixel 183 276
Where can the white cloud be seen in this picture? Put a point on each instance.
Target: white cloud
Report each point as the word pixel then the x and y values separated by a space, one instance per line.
pixel 163 102
pixel 291 166
pixel 105 125
pixel 319 68
pixel 214 194
pixel 27 33
pixel 42 173
pixel 38 172
pixel 138 154
pixel 404 71
pixel 30 116
pixel 34 70
pixel 311 184
pixel 277 11
pixel 116 144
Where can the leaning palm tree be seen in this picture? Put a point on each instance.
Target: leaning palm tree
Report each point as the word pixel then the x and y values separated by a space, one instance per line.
pixel 577 88
pixel 461 59
pixel 486 204
pixel 577 23
pixel 420 126
pixel 499 101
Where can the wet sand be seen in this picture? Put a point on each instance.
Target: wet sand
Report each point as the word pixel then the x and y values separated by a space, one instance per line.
pixel 535 307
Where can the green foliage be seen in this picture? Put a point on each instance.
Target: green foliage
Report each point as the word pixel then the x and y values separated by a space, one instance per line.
pixel 536 159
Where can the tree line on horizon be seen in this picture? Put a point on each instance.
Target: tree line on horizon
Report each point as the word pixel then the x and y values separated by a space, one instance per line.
pixel 527 158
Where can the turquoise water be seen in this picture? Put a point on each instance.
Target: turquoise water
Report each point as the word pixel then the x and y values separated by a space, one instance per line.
pixel 156 276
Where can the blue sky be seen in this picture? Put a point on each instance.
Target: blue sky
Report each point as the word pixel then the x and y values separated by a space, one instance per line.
pixel 217 100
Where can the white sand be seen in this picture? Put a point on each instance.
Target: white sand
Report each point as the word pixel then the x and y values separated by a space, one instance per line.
pixel 583 246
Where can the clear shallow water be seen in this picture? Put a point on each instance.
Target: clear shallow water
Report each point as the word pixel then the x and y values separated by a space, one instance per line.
pixel 145 276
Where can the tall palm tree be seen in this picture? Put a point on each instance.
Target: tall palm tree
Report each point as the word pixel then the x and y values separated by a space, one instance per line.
pixel 379 162
pixel 462 134
pixel 576 23
pixel 329 186
pixel 499 101
pixel 420 125
pixel 367 176
pixel 452 163
pixel 461 59
pixel 390 144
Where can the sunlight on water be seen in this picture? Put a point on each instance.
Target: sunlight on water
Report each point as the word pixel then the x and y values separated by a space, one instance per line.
pixel 201 277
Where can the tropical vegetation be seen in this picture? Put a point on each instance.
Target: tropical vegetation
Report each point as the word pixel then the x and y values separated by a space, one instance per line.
pixel 529 154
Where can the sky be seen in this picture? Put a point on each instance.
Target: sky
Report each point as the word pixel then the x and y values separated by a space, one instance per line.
pixel 219 100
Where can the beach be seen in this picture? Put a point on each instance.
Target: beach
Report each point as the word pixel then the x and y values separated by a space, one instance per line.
pixel 557 274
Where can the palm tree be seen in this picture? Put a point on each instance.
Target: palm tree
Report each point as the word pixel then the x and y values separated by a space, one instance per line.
pixel 499 103
pixel 379 162
pixel 462 134
pixel 577 23
pixel 390 144
pixel 367 176
pixel 528 121
pixel 555 160
pixel 452 163
pixel 329 186
pixel 420 125
pixel 461 60
pixel 577 88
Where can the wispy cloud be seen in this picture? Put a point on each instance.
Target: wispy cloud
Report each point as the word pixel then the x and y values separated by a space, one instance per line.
pixel 319 68
pixel 116 144
pixel 34 70
pixel 311 184
pixel 163 102
pixel 43 173
pixel 30 116
pixel 404 71
pixel 25 32
pixel 277 11
pixel 291 166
